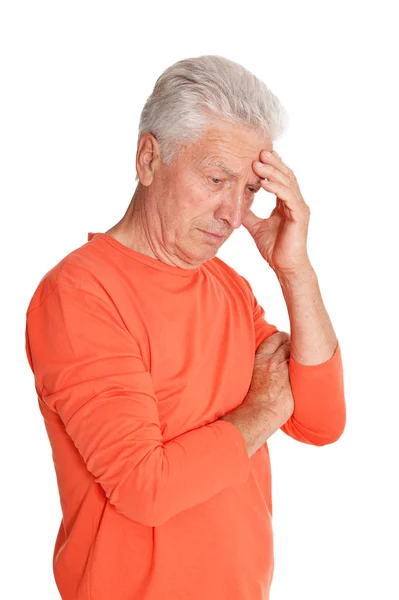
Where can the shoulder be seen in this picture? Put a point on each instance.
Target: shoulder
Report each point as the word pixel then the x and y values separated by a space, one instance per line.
pixel 77 270
pixel 230 276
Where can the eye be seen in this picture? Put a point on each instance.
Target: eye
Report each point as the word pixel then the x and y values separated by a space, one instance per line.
pixel 215 180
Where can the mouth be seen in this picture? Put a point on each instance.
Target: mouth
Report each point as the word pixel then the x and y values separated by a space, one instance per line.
pixel 212 236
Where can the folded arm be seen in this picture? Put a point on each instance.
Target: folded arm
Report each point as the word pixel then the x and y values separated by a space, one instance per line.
pixel 88 368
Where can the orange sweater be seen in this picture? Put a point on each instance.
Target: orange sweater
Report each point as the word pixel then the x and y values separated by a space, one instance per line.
pixel 134 362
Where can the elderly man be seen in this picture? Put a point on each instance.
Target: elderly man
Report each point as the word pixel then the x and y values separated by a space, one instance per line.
pixel 157 375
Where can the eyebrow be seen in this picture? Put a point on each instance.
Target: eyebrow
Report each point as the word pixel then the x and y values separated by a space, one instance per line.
pixel 229 171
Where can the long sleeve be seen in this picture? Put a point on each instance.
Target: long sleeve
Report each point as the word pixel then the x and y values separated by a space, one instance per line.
pixel 88 368
pixel 319 415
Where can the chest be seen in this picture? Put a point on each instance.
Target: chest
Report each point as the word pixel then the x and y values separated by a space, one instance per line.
pixel 198 346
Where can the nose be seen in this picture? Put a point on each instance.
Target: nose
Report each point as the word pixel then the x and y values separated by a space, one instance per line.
pixel 231 210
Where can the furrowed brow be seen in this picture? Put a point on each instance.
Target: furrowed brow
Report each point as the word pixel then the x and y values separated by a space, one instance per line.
pixel 229 171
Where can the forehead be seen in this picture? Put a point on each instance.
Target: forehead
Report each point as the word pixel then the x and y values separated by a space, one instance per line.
pixel 231 145
pixel 216 161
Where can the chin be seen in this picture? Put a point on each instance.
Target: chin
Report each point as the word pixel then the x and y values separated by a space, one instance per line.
pixel 201 253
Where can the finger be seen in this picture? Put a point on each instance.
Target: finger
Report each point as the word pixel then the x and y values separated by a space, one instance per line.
pixel 282 192
pixel 286 348
pixel 272 343
pixel 270 172
pixel 282 336
pixel 250 220
pixel 276 161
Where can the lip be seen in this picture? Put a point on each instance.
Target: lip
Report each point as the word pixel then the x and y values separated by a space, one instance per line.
pixel 213 235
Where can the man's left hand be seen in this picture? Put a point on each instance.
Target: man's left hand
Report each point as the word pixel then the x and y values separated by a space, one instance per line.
pixel 282 238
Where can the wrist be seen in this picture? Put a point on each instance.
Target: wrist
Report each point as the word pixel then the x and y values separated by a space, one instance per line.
pixel 297 276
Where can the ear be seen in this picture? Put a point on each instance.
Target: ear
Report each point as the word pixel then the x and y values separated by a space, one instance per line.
pixel 147 158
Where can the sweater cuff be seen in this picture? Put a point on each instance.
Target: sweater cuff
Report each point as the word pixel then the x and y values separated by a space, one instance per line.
pixel 236 448
pixel 319 370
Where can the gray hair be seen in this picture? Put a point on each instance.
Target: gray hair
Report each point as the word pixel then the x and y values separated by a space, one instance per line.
pixel 188 93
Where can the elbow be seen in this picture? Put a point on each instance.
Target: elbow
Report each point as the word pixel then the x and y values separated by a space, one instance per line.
pixel 323 435
pixel 147 513
pixel 333 434
pixel 142 494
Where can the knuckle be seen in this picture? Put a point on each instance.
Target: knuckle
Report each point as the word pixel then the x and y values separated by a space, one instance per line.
pixel 285 335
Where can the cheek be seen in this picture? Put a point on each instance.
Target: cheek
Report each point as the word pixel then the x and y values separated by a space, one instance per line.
pixel 198 200
pixel 193 203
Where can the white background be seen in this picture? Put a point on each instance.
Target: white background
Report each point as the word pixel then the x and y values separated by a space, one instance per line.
pixel 75 76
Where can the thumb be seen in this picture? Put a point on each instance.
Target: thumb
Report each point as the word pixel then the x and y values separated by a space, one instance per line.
pixel 250 221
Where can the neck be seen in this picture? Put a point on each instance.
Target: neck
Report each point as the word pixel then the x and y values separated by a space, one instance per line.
pixel 132 229
pixel 138 229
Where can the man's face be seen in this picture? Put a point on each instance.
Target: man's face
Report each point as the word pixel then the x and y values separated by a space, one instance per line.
pixel 195 194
